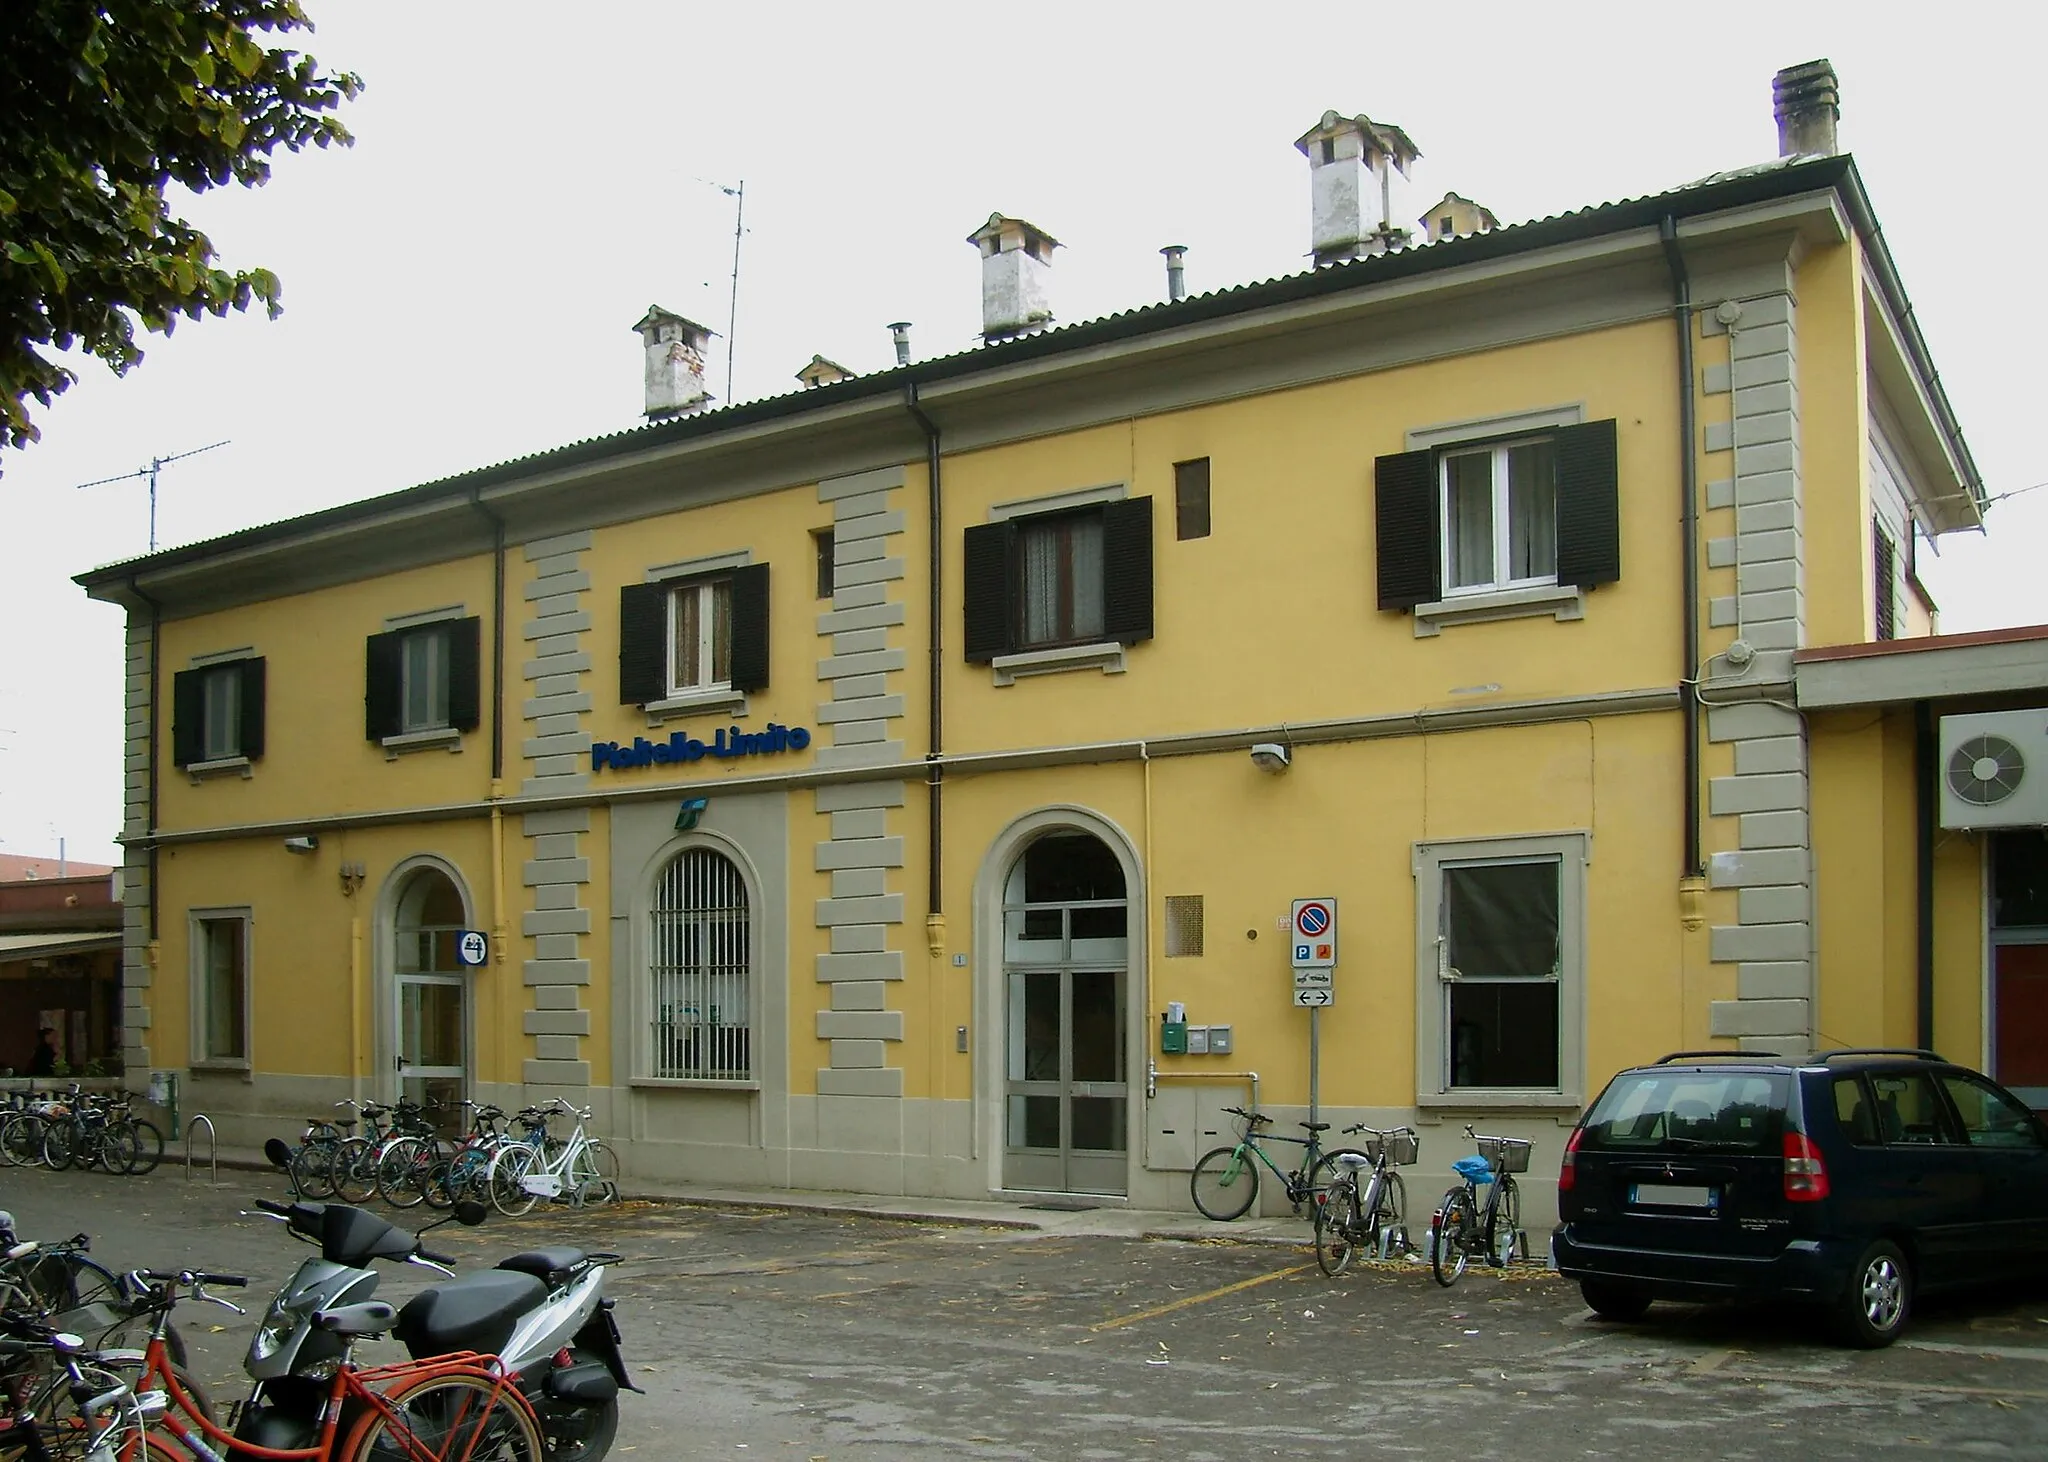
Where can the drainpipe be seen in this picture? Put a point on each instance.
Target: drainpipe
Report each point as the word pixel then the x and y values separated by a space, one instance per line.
pixel 935 917
pixel 500 926
pixel 1924 771
pixel 1689 534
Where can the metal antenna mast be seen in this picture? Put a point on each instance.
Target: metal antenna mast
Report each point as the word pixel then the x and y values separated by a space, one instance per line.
pixel 156 465
pixel 739 221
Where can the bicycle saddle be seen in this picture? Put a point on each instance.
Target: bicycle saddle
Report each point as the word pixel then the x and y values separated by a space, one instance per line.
pixel 1317 1126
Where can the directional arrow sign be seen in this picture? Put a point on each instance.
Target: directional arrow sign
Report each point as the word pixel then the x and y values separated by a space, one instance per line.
pixel 1311 996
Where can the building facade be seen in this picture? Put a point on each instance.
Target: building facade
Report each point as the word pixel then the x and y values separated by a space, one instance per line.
pixel 845 786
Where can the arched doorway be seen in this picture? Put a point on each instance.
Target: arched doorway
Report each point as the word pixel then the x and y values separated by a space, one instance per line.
pixel 1066 969
pixel 431 992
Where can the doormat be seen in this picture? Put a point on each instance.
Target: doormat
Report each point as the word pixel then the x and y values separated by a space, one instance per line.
pixel 1063 1205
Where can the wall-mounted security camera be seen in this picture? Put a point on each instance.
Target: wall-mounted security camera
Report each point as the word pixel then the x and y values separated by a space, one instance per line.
pixel 1270 756
pixel 303 843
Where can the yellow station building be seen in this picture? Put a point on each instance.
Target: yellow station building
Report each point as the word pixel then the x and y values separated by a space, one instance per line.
pixel 847 785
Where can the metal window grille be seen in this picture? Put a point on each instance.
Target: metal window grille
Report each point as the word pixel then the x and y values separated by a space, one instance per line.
pixel 701 971
pixel 1183 925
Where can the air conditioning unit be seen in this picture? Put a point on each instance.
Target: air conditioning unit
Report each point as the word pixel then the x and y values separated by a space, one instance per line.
pixel 1994 770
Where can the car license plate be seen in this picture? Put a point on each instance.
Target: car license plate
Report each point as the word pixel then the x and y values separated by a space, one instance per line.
pixel 1670 1195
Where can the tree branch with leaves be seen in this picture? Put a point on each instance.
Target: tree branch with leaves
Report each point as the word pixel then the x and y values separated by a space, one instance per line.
pixel 105 107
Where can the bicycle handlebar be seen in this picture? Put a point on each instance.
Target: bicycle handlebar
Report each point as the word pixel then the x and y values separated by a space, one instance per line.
pixel 1254 1118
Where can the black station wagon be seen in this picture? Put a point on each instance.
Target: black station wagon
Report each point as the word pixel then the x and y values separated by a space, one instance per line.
pixel 1852 1180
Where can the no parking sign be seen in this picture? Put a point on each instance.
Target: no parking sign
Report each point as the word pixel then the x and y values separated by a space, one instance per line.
pixel 1315 934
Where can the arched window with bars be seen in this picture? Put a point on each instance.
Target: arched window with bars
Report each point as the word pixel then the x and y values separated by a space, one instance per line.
pixel 700 970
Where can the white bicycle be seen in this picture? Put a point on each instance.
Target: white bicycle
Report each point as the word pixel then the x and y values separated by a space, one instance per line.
pixel 579 1169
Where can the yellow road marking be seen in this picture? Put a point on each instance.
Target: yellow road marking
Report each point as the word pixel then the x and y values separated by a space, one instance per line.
pixel 1198 1299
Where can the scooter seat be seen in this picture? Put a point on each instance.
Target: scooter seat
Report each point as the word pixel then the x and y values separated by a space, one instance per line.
pixel 475 1312
pixel 545 1264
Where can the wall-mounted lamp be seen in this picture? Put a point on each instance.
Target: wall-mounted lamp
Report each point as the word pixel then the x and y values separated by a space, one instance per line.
pixel 1271 756
pixel 303 843
pixel 352 876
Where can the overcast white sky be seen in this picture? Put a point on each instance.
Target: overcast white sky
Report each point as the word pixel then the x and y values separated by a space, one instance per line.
pixel 459 287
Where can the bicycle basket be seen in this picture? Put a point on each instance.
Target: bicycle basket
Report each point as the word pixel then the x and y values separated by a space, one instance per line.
pixel 1395 1148
pixel 1473 1169
pixel 1508 1154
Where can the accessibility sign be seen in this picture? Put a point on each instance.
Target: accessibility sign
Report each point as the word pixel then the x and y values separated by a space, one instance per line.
pixel 1315 934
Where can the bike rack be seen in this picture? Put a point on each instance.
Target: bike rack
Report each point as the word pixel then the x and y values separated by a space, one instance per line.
pixel 212 1149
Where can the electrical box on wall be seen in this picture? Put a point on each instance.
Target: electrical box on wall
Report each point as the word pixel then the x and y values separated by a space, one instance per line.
pixel 1198 1040
pixel 1219 1040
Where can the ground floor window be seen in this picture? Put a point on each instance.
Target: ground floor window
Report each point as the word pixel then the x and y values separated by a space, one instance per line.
pixel 220 986
pixel 700 971
pixel 1500 964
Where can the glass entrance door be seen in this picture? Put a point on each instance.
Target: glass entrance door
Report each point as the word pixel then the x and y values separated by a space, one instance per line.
pixel 1066 980
pixel 431 989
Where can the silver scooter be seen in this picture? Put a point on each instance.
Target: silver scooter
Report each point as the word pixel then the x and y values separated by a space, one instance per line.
pixel 543 1312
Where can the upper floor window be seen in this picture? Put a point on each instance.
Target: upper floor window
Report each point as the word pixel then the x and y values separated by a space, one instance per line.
pixel 694 637
pixel 217 713
pixel 1884 581
pixel 700 637
pixel 1073 577
pixel 1467 519
pixel 422 681
pixel 1500 517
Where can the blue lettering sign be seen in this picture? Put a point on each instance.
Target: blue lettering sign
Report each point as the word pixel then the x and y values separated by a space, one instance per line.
pixel 728 743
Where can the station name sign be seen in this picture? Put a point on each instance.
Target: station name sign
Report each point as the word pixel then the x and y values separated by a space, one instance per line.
pixel 726 744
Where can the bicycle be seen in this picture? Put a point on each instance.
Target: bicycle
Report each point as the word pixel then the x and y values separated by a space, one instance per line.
pixel 539 1165
pixel 59 1284
pixel 459 1407
pixel 1465 1228
pixel 61 1402
pixel 1225 1183
pixel 407 1161
pixel 1374 1218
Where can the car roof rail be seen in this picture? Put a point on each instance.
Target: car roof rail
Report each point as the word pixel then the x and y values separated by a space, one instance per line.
pixel 1916 1051
pixel 1724 1055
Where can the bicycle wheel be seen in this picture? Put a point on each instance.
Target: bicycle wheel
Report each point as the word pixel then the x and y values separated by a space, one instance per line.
pixel 402 1173
pixel 354 1171
pixel 469 1174
pixel 1389 1215
pixel 313 1170
pixel 594 1177
pixel 61 1143
pixel 23 1139
pixel 1448 1253
pixel 9 1154
pixel 508 1168
pixel 1506 1235
pixel 149 1146
pixel 450 1417
pixel 1225 1183
pixel 118 1149
pixel 1338 1227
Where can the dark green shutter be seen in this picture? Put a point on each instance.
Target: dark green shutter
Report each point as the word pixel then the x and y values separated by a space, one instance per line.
pixel 251 729
pixel 1588 505
pixel 1127 570
pixel 643 643
pixel 1407 518
pixel 383 685
pixel 750 627
pixel 989 590
pixel 465 673
pixel 188 717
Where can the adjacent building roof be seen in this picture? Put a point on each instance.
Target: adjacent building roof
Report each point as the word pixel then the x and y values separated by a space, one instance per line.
pixel 1934 667
pixel 15 868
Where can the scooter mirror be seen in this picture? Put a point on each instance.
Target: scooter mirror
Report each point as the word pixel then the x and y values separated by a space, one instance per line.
pixel 280 1156
pixel 470 1213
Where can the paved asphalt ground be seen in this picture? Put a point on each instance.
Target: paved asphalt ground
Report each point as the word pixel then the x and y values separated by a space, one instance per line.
pixel 766 1334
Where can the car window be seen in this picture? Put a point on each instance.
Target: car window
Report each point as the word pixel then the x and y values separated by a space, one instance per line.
pixel 1990 1117
pixel 1854 1111
pixel 1909 1110
pixel 1665 1111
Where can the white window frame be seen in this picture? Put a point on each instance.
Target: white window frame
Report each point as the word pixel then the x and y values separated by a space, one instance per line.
pixel 706 593
pixel 438 657
pixel 1573 853
pixel 220 727
pixel 199 983
pixel 1500 582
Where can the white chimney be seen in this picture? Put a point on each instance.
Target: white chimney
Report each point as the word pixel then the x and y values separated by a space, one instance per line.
pixel 675 363
pixel 1352 161
pixel 1016 257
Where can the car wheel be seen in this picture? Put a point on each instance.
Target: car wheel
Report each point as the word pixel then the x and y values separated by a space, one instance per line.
pixel 1613 1300
pixel 1873 1309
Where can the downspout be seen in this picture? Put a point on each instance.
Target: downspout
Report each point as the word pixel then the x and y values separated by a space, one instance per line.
pixel 1924 770
pixel 935 740
pixel 500 929
pixel 1692 866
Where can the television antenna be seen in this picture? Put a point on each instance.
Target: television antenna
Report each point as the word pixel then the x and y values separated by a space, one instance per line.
pixel 156 465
